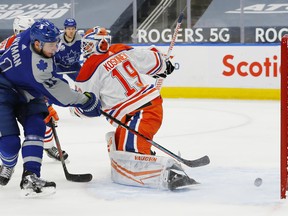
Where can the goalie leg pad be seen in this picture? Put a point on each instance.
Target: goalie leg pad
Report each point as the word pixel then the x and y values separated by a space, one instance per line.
pixel 141 170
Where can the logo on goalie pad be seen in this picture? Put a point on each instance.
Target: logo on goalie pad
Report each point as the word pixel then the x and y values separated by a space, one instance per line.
pixel 145 158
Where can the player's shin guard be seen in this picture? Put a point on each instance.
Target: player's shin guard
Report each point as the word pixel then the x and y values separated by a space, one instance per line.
pixel 32 153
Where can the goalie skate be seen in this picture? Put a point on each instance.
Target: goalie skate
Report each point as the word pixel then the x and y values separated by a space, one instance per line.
pixel 32 186
pixel 177 178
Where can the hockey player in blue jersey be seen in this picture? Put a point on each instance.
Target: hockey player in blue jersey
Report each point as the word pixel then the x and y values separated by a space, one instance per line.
pixel 20 24
pixel 27 74
pixel 67 59
pixel 68 56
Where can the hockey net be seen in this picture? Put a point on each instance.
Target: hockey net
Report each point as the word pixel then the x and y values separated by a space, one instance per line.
pixel 284 116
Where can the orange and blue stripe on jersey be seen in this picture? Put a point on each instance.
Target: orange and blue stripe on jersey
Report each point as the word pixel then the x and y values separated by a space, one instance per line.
pixel 158 66
pixel 144 96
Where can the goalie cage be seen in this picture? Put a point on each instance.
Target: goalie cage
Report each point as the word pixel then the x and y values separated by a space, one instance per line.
pixel 284 117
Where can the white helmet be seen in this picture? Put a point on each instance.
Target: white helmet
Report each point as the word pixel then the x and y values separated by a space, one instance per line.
pixel 96 40
pixel 22 23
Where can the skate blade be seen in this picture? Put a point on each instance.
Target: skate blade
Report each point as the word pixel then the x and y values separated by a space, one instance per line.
pixel 183 184
pixel 30 193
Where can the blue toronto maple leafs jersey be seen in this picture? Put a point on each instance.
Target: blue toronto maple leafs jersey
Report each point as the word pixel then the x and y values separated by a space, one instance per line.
pixel 69 54
pixel 33 75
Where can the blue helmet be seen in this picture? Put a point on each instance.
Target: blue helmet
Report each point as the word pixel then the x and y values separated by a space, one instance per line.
pixel 44 31
pixel 70 22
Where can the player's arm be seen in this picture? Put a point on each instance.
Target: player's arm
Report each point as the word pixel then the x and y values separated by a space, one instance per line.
pixel 152 63
pixel 59 92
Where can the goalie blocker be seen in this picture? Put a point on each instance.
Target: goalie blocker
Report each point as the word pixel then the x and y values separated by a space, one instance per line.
pixel 129 168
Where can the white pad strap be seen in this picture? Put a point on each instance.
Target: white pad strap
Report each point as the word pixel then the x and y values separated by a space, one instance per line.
pixel 140 170
pixel 110 139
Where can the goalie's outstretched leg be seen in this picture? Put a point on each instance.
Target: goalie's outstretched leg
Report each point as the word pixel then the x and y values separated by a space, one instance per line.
pixel 129 168
pixel 147 171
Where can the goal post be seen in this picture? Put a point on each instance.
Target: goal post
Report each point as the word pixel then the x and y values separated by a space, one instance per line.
pixel 284 117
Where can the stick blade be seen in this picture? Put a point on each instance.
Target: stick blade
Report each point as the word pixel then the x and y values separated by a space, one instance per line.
pixel 79 177
pixel 205 160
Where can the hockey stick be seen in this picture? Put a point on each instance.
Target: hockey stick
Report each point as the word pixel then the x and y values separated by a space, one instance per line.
pixel 70 177
pixel 159 81
pixel 191 163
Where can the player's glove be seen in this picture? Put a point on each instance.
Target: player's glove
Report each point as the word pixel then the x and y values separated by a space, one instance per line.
pixel 52 114
pixel 169 69
pixel 92 108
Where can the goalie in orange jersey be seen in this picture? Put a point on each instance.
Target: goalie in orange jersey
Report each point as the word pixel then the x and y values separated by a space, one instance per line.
pixel 115 74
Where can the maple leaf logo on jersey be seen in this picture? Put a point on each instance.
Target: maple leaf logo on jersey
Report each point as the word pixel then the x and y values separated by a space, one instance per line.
pixel 42 65
pixel 71 57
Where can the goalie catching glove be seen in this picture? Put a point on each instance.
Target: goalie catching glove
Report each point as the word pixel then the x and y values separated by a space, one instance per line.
pixel 169 69
pixel 92 108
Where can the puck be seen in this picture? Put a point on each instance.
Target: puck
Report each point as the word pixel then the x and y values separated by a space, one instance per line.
pixel 258 182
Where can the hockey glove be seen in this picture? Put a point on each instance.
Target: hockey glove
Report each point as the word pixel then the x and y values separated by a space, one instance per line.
pixel 92 108
pixel 169 69
pixel 52 114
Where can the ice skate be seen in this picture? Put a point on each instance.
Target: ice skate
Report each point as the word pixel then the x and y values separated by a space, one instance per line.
pixel 32 186
pixel 54 154
pixel 5 174
pixel 177 180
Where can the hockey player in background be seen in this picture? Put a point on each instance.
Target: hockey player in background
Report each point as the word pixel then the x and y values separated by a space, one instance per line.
pixel 20 24
pixel 114 73
pixel 68 56
pixel 67 59
pixel 27 74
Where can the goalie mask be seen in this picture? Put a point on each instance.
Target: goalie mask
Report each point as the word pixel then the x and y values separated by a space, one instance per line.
pixel 96 40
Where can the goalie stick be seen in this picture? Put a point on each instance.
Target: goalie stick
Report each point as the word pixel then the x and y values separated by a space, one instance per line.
pixel 70 177
pixel 159 81
pixel 191 163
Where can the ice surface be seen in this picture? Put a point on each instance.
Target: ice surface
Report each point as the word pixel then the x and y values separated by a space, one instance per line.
pixel 241 137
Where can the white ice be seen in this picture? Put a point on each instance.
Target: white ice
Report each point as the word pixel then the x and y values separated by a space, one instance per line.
pixel 241 137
